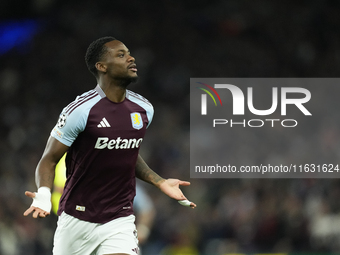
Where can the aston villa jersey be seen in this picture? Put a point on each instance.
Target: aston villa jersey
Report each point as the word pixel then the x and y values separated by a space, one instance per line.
pixel 104 139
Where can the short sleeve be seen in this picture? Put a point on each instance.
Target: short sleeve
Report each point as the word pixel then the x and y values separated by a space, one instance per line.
pixel 73 118
pixel 149 114
pixel 69 126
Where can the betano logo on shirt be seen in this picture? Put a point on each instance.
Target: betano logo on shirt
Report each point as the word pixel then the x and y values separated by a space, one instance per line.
pixel 119 143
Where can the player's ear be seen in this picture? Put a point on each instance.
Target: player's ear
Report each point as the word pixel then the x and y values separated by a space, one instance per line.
pixel 101 67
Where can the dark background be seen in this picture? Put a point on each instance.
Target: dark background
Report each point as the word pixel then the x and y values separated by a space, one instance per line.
pixel 43 70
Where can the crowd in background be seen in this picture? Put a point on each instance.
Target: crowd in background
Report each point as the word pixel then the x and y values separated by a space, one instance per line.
pixel 171 42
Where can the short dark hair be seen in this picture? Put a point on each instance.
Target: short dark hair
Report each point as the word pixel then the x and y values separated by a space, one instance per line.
pixel 95 53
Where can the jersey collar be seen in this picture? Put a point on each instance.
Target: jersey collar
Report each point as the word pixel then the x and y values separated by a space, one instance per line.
pixel 100 91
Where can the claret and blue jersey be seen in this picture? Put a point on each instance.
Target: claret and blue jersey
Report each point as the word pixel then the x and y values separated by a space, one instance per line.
pixel 104 139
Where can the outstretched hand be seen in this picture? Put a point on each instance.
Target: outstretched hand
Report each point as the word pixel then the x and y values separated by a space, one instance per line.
pixel 36 210
pixel 171 188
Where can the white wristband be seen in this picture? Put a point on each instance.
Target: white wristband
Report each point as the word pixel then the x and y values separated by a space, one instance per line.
pixel 42 199
pixel 185 202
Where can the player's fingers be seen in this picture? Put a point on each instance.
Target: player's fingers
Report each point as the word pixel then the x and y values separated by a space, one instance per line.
pixel 28 211
pixel 188 203
pixel 184 183
pixel 42 214
pixel 36 213
pixel 192 205
pixel 30 194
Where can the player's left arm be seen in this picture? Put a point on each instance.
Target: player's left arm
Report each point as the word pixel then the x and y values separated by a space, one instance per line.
pixel 168 186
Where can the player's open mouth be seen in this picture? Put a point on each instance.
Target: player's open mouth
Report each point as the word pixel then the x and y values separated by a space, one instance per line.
pixel 133 68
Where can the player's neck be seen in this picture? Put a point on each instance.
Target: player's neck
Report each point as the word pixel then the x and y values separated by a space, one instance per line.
pixel 113 91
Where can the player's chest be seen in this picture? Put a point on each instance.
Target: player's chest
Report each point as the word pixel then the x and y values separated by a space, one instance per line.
pixel 111 120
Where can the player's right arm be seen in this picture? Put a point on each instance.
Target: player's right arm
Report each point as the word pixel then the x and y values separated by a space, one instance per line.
pixel 44 177
pixel 71 122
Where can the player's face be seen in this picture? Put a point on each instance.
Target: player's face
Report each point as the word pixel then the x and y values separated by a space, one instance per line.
pixel 120 64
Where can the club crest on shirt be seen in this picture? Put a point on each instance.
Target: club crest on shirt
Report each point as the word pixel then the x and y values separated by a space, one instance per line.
pixel 136 120
pixel 62 120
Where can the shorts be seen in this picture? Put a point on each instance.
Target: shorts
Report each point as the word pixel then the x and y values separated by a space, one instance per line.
pixel 78 237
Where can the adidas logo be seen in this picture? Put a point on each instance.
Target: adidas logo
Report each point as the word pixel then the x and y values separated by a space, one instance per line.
pixel 104 123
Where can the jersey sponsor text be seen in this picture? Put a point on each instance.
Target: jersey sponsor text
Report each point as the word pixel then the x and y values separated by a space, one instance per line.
pixel 119 143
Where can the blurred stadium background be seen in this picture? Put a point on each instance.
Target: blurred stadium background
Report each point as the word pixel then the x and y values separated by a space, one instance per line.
pixel 42 68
